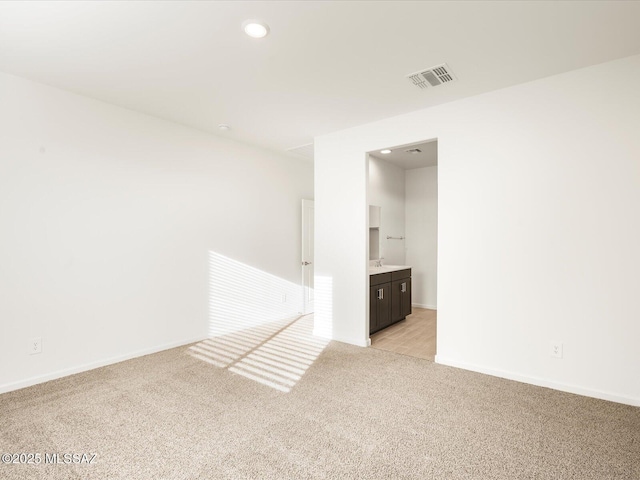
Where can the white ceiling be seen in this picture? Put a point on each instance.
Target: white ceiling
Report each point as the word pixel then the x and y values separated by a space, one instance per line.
pixel 400 156
pixel 325 66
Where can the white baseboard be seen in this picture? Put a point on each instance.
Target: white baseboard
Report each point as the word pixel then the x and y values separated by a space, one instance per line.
pixel 9 387
pixel 422 305
pixel 359 342
pixel 541 382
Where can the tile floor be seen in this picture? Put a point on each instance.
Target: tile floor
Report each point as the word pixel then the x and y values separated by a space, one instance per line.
pixel 414 336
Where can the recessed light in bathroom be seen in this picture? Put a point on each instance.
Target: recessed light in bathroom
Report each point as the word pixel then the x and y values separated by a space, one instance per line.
pixel 224 127
pixel 385 151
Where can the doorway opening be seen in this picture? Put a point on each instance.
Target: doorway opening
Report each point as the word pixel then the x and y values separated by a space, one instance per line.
pixel 403 242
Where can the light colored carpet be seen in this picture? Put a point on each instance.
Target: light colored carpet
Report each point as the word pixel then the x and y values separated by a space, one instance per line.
pixel 353 413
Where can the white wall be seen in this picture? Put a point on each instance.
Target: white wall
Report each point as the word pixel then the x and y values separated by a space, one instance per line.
pixel 387 190
pixel 109 220
pixel 537 233
pixel 422 234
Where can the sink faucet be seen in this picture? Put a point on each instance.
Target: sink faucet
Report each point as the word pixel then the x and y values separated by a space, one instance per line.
pixel 379 262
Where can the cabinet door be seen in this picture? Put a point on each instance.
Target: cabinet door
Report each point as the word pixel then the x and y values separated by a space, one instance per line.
pixel 400 299
pixel 384 306
pixel 382 295
pixel 406 297
pixel 373 310
pixel 397 303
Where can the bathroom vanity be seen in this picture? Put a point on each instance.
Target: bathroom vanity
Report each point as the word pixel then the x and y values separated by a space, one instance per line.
pixel 389 295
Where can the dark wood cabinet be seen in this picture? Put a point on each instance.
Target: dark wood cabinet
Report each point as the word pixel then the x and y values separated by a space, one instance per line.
pixel 380 307
pixel 400 299
pixel 389 298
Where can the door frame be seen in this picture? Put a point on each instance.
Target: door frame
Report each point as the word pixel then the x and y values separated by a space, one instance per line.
pixel 306 261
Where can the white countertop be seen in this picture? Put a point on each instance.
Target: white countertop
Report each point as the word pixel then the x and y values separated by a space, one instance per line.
pixel 387 269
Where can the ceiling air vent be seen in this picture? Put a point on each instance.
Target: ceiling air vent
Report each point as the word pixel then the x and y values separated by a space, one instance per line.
pixel 433 76
pixel 305 151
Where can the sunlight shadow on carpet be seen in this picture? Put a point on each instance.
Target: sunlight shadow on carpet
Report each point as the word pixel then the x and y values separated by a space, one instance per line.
pixel 276 354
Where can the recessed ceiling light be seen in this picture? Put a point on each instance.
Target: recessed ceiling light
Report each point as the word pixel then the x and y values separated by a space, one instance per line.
pixel 255 28
pixel 224 127
pixel 385 151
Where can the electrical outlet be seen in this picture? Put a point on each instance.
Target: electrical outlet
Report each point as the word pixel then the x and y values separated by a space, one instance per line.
pixel 284 298
pixel 556 349
pixel 34 346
